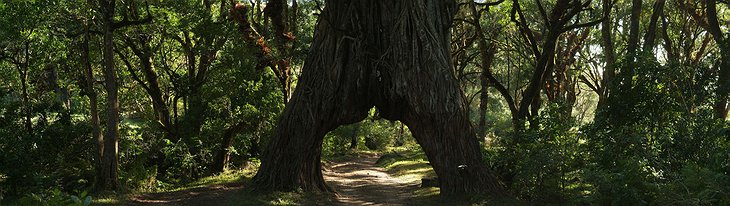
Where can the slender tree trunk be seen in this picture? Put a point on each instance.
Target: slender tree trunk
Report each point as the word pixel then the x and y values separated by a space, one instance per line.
pixel 634 22
pixel 62 94
pixel 562 87
pixel 400 139
pixel 93 101
pixel 650 36
pixel 393 55
pixel 158 102
pixel 23 72
pixel 109 161
pixel 194 116
pixel 280 65
pixel 487 51
pixel 151 85
pixel 223 154
pixel 723 89
pixel 354 138
pixel 530 103
pixel 609 71
pixel 294 16
pixel 723 80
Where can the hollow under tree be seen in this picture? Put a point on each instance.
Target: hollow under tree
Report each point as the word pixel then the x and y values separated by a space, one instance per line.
pixel 392 55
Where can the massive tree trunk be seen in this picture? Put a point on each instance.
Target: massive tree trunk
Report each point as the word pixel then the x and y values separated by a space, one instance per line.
pixel 392 55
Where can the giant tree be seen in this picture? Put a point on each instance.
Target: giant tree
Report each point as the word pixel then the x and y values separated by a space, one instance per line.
pixel 393 55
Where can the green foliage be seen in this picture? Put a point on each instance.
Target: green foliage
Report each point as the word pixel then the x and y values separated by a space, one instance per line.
pixel 379 133
pixel 655 143
pixel 56 198
pixel 34 161
pixel 373 133
pixel 655 135
pixel 696 185
pixel 543 164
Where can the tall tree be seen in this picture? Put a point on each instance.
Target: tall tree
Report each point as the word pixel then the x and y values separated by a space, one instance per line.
pixel 392 55
pixel 709 21
pixel 110 158
pixel 558 21
pixel 201 40
pixel 723 80
pixel 487 52
pixel 89 90
pixel 607 44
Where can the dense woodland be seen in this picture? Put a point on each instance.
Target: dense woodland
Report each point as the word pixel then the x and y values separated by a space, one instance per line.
pixel 606 102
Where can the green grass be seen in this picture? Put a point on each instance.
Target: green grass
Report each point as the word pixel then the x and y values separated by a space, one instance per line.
pixel 410 164
pixel 228 176
pixel 242 197
pixel 407 164
pixel 108 199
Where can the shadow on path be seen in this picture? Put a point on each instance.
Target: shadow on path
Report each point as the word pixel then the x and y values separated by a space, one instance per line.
pixel 359 181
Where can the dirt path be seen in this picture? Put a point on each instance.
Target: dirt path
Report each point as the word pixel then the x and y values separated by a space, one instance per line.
pixel 360 182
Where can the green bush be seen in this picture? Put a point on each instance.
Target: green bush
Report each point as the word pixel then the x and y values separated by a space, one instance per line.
pixel 56 198
pixel 542 164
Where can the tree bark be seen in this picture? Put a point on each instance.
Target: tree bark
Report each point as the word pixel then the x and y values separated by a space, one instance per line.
pixel 23 72
pixel 150 84
pixel 487 51
pixel 89 91
pixel 109 161
pixel 354 138
pixel 634 22
pixel 723 81
pixel 609 70
pixel 651 32
pixel 223 154
pixel 392 55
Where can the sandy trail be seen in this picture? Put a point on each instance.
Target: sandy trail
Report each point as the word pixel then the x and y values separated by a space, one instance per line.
pixel 360 182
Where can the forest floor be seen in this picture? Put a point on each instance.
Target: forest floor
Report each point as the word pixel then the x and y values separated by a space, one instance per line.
pixel 359 180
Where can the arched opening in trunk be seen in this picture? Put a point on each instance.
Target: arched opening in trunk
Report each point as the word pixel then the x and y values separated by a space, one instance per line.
pixel 391 55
